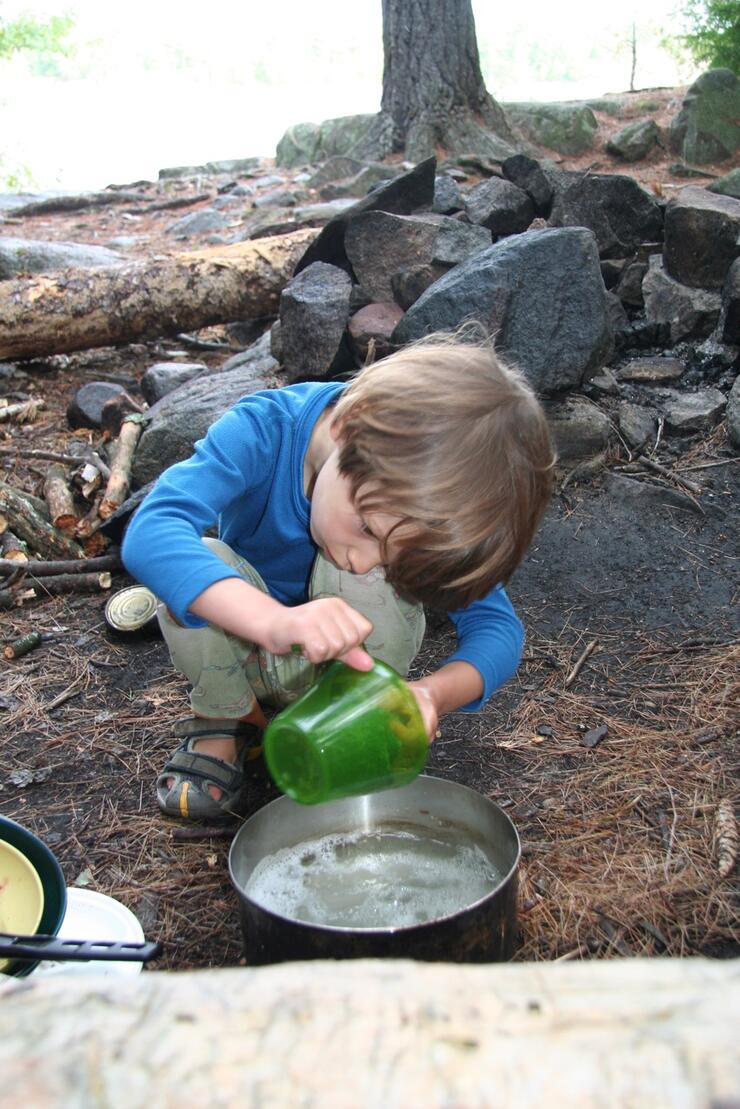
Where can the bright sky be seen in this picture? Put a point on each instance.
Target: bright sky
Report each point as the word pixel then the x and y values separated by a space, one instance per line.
pixel 152 84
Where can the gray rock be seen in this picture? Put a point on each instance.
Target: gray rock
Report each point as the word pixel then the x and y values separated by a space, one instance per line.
pixel 342 134
pixel 645 495
pixel 733 413
pixel 125 242
pixel 276 347
pixel 656 370
pixel 621 214
pixel 268 181
pixel 729 185
pixel 541 293
pixel 634 141
pixel 637 424
pixel 447 195
pixel 161 378
pixel 579 429
pixel 629 285
pixel 314 309
pixel 324 211
pixel 380 245
pixel 706 128
pixel 408 193
pixel 408 285
pixel 604 383
pixel 276 198
pixel 86 407
pixel 197 223
pixel 299 146
pixel 702 237
pixel 362 182
pixel 687 313
pixel 700 411
pixel 502 207
pixel 529 175
pixel 36 256
pixel 729 324
pixel 175 423
pixel 260 357
pixel 335 169
pixel 617 314
pixel 567 128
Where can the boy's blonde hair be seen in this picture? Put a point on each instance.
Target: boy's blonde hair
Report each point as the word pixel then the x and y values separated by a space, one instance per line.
pixel 447 437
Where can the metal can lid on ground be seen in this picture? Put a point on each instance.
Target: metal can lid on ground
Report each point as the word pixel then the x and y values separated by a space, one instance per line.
pixel 131 609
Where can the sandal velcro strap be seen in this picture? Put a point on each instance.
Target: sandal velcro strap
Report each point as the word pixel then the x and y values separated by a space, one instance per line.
pixel 197 727
pixel 207 768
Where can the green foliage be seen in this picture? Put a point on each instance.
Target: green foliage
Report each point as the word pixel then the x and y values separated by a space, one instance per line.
pixel 712 35
pixel 28 33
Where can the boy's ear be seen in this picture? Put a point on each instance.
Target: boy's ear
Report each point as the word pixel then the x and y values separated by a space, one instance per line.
pixel 335 430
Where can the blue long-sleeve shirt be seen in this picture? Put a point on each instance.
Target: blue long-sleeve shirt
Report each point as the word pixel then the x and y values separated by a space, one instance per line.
pixel 246 477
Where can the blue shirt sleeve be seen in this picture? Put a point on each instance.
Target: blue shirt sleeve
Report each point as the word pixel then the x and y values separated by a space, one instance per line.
pixel 490 637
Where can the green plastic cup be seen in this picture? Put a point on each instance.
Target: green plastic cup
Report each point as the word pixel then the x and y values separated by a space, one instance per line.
pixel 352 732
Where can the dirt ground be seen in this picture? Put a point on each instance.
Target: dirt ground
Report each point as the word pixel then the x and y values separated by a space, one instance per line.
pixel 614 776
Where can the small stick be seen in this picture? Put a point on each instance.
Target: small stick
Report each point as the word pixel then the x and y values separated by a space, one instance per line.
pixel 91 521
pixel 23 646
pixel 13 549
pixel 207 831
pixel 727 838
pixel 49 456
pixel 665 472
pixel 58 496
pixel 588 650
pixel 26 410
pixel 120 474
pixel 44 569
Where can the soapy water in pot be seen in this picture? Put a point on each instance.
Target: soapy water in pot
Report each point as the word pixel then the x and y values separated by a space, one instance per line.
pixel 379 879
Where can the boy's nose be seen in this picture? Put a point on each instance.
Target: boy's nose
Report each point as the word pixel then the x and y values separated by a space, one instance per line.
pixel 362 562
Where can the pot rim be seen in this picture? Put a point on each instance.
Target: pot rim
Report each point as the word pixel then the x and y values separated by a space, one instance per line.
pixel 386 929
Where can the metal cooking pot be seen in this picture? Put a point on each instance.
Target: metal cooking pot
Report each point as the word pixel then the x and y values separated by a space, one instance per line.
pixel 484 931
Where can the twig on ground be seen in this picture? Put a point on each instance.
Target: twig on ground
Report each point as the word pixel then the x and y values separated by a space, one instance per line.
pixel 578 665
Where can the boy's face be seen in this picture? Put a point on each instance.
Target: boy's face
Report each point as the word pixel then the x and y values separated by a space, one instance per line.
pixel 352 542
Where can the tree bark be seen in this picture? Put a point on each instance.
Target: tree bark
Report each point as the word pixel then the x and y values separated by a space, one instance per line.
pixel 30 526
pixel 79 309
pixel 434 97
pixel 378 1033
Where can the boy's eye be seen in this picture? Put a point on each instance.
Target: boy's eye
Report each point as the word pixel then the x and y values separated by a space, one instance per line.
pixel 365 529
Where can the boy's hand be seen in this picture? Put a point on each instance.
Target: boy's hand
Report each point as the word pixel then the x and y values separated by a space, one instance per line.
pixel 327 628
pixel 427 707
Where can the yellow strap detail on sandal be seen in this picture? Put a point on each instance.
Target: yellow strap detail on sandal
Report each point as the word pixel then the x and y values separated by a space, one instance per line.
pixel 184 800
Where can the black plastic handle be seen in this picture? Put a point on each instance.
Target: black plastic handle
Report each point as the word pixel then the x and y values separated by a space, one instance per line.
pixel 52 947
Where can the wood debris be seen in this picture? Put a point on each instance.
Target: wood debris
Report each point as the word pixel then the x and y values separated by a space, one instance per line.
pixel 727 838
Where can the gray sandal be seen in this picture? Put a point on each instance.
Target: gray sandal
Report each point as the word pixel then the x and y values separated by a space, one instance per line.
pixel 190 772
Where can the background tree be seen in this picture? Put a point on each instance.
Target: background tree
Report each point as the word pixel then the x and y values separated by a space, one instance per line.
pixel 713 32
pixel 434 97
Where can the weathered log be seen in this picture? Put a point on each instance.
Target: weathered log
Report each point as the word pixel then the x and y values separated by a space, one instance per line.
pixel 78 309
pixel 73 583
pixel 24 412
pixel 30 526
pixel 47 568
pixel 377 1034
pixel 59 498
pixel 119 481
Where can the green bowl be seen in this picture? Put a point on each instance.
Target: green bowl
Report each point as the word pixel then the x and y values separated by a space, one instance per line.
pixel 52 882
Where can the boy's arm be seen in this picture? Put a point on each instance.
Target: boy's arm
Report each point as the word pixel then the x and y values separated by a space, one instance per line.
pixel 325 629
pixel 453 685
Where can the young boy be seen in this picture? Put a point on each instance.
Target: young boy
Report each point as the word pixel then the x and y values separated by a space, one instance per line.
pixel 341 509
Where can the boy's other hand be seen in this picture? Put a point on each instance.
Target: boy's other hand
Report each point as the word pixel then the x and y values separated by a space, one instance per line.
pixel 427 707
pixel 326 628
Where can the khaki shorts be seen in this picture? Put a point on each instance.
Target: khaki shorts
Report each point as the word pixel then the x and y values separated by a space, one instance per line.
pixel 227 673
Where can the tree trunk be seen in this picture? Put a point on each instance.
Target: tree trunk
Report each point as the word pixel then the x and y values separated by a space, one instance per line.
pixel 434 98
pixel 78 309
pixel 377 1033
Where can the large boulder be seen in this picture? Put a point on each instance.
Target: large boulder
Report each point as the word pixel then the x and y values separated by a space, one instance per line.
pixel 621 214
pixel 19 256
pixel 381 245
pixel 702 237
pixel 411 192
pixel 707 128
pixel 310 142
pixel 175 423
pixel 634 141
pixel 730 317
pixel 314 309
pixel 688 313
pixel 540 293
pixel 567 128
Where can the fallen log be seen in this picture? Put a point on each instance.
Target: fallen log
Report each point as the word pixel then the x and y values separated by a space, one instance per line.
pixel 73 583
pixel 378 1033
pixel 43 569
pixel 12 549
pixel 29 525
pixel 78 309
